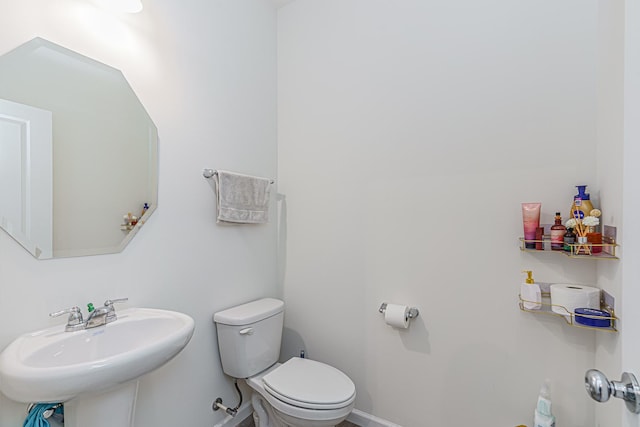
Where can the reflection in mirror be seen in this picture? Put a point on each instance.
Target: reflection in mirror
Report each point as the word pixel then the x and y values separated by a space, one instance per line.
pixel 78 153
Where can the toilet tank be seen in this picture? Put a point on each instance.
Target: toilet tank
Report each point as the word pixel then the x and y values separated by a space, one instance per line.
pixel 249 336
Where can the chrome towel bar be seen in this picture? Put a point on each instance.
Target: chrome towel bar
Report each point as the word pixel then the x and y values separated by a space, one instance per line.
pixel 210 173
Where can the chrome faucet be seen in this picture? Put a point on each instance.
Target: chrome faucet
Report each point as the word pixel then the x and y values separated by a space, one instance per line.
pixel 103 315
pixel 97 317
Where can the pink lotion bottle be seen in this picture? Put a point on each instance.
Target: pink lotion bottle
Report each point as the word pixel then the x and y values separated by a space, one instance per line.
pixel 531 221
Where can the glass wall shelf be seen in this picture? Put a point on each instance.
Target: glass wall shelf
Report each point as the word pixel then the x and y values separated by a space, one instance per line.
pixel 561 312
pixel 604 250
pixel 608 250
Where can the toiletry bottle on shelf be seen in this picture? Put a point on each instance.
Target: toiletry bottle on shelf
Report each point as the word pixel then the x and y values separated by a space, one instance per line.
pixel 530 293
pixel 531 221
pixel 542 416
pixel 581 206
pixel 569 239
pixel 595 239
pixel 539 238
pixel 557 234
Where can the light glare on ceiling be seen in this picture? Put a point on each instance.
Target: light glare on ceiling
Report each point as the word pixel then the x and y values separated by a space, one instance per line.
pixel 126 6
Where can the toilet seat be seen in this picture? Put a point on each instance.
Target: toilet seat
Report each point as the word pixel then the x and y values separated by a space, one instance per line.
pixel 309 384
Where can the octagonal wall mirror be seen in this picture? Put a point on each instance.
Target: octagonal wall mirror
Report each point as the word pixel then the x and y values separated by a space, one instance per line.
pixel 78 153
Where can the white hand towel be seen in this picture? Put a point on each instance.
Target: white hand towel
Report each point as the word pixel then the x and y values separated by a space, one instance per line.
pixel 241 198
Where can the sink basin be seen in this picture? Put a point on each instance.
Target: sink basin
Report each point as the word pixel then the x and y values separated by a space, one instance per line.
pixel 52 365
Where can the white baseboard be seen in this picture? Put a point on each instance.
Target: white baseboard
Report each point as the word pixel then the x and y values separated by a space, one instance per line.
pixel 357 417
pixel 245 411
pixel 367 420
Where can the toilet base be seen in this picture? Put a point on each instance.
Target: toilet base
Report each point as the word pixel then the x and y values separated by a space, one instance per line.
pixel 264 415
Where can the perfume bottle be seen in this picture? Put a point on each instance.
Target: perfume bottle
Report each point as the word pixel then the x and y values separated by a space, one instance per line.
pixel 569 239
pixel 557 234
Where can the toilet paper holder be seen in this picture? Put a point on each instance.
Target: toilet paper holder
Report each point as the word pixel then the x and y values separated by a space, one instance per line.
pixel 413 312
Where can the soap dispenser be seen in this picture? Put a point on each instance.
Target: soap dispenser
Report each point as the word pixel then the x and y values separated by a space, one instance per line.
pixel 542 416
pixel 530 293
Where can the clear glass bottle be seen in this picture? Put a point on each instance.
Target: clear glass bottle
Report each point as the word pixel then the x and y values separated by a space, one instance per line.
pixel 557 234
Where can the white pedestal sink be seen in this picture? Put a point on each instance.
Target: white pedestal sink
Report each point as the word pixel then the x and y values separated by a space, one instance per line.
pixel 93 371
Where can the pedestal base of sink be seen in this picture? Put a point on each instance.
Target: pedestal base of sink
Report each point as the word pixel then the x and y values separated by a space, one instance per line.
pixel 114 407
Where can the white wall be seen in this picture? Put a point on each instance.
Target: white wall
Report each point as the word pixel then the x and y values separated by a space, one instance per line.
pixel 631 325
pixel 409 132
pixel 205 71
pixel 610 119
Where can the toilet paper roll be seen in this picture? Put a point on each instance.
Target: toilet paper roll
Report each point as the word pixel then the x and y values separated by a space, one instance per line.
pixel 397 316
pixel 573 296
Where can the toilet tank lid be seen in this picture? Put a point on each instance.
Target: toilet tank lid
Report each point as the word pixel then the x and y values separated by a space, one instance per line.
pixel 250 312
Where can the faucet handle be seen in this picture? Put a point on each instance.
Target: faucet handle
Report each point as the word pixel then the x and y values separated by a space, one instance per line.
pixel 74 322
pixel 110 302
pixel 111 312
pixel 73 311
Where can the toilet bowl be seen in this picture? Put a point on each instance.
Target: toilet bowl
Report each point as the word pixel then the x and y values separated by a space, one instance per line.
pixel 297 393
pixel 304 393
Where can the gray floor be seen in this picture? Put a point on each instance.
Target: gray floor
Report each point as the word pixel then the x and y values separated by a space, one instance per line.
pixel 249 423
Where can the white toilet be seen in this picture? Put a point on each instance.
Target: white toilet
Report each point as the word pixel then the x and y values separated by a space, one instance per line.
pixel 297 393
